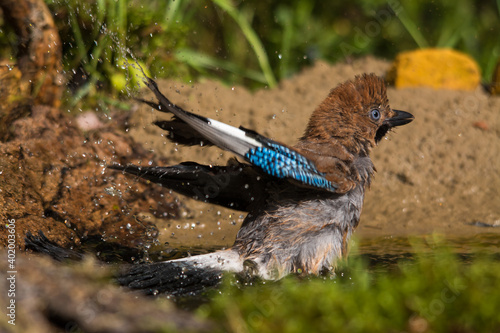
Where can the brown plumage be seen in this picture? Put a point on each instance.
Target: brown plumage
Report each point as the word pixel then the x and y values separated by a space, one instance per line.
pixel 340 128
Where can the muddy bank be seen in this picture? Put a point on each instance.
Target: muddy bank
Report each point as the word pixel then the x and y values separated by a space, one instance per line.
pixel 52 180
pixel 438 174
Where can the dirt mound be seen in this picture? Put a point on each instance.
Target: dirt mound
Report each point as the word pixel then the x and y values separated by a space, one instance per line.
pixel 52 179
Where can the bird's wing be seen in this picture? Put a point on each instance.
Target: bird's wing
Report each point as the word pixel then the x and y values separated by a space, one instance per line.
pixel 273 158
pixel 236 186
pixel 179 131
pixel 222 135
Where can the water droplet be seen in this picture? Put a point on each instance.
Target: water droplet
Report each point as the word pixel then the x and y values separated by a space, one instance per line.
pixel 113 191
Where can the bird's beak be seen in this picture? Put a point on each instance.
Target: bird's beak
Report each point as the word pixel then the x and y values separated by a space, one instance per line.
pixel 400 118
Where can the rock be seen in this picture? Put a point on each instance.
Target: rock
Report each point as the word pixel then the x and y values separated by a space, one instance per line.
pixel 54 179
pixel 435 68
pixel 52 297
pixel 15 98
pixel 39 49
pixel 482 125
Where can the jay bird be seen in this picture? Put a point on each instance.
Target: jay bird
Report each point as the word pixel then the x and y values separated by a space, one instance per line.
pixel 303 201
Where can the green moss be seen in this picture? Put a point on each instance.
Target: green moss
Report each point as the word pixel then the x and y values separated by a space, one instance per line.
pixel 435 292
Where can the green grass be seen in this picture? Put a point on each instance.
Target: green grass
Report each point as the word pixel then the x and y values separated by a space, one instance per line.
pixel 436 292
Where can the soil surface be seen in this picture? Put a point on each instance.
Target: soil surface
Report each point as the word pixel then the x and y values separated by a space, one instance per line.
pixel 438 174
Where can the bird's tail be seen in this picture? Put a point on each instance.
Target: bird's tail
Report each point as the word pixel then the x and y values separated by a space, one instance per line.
pixel 181 277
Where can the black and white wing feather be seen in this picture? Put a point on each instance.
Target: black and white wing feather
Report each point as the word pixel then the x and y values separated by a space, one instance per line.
pixel 272 157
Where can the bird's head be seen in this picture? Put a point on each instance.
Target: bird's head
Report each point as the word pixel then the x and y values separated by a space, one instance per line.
pixel 356 114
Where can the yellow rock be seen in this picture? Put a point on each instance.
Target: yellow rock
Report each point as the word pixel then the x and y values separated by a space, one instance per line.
pixel 435 68
pixel 495 83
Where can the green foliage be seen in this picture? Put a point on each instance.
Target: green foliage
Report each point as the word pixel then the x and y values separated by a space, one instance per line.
pixel 466 25
pixel 255 43
pixel 103 40
pixel 437 293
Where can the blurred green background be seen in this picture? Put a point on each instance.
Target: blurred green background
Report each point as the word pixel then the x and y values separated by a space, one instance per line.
pixel 255 43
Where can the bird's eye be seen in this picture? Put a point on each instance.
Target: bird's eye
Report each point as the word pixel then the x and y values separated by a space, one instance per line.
pixel 375 114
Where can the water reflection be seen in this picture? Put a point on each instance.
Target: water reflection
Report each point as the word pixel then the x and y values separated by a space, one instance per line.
pixel 384 254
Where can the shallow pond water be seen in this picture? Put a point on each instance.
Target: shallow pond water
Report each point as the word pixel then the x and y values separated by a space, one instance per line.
pixel 380 251
pixel 379 257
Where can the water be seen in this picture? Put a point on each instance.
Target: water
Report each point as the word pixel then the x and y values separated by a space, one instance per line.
pixel 381 256
pixel 382 253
